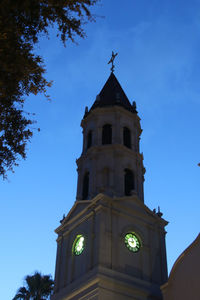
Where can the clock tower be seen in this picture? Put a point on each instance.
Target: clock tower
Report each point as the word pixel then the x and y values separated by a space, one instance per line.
pixel 110 245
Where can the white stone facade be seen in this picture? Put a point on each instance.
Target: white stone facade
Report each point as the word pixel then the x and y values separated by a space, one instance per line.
pixel 107 269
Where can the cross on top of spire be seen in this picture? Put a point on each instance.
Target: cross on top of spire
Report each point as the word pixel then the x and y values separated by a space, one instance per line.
pixel 111 61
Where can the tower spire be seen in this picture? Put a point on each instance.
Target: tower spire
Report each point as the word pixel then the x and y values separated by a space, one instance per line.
pixel 111 61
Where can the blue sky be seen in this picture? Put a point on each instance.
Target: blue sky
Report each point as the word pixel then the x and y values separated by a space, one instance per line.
pixel 158 67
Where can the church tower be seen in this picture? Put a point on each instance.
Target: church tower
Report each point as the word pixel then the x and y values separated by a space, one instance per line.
pixel 110 245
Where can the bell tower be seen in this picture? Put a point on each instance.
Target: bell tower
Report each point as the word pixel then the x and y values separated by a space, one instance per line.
pixel 110 245
pixel 111 162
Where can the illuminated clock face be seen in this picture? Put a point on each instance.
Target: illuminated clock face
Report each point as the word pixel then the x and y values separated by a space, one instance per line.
pixel 132 242
pixel 79 244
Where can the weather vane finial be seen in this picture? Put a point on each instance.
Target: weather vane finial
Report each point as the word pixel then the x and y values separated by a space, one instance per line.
pixel 111 61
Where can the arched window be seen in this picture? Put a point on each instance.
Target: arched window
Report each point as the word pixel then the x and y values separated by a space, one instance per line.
pixel 106 177
pixel 85 192
pixel 89 139
pixel 127 137
pixel 128 182
pixel 107 134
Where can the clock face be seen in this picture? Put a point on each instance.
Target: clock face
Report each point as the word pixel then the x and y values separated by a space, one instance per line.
pixel 132 242
pixel 79 244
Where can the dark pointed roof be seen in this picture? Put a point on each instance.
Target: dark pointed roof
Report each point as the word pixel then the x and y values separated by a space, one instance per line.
pixel 112 94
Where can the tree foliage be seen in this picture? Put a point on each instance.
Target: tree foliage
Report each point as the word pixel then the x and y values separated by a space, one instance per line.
pixel 21 70
pixel 37 287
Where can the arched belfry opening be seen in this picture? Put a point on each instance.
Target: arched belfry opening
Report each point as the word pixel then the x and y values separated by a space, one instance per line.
pixel 85 190
pixel 127 137
pixel 106 177
pixel 89 139
pixel 129 184
pixel 107 134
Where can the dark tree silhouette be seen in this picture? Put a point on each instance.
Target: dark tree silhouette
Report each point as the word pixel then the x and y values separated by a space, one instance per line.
pixel 37 287
pixel 21 70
